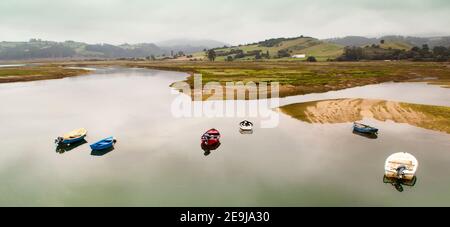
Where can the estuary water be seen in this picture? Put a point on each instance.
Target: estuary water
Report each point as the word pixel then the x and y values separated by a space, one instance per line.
pixel 158 160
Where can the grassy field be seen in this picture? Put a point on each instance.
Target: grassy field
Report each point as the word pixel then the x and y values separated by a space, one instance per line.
pixel 396 45
pixel 438 116
pixel 41 72
pixel 302 78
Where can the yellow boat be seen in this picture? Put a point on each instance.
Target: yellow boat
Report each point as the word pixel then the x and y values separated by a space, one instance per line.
pixel 72 137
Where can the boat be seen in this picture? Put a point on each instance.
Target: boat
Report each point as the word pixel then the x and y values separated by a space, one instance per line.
pixel 246 126
pixel 401 166
pixel 72 137
pixel 211 137
pixel 103 144
pixel 362 128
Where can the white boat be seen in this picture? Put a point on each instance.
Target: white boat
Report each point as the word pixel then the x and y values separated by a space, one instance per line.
pixel 246 126
pixel 401 166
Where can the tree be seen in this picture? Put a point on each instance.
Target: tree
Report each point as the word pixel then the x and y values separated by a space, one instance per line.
pixel 211 55
pixel 311 59
pixel 440 50
pixel 382 41
pixel 239 55
pixel 258 56
pixel 352 54
pixel 283 54
pixel 230 58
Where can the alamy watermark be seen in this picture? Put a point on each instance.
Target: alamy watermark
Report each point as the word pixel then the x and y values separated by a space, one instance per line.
pixel 234 99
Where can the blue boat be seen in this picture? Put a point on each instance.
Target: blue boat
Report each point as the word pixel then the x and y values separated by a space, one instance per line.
pixel 361 128
pixel 103 144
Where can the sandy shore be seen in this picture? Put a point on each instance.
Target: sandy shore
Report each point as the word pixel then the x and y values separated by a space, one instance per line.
pixel 351 110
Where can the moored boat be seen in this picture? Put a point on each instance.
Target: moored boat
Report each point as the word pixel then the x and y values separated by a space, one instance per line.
pixel 362 128
pixel 246 126
pixel 401 166
pixel 72 137
pixel 211 137
pixel 103 144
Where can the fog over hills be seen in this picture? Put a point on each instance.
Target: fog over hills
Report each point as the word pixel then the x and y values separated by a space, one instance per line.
pixel 207 43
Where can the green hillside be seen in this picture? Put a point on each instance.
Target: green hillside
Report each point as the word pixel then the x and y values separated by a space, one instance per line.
pixel 270 50
pixel 285 48
pixel 396 45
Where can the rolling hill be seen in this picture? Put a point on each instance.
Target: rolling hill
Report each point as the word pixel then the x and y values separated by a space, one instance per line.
pixel 276 48
pixel 322 50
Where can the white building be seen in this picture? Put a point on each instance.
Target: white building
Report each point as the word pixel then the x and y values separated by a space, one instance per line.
pixel 299 56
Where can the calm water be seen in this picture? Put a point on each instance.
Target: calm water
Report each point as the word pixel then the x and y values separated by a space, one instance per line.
pixel 158 160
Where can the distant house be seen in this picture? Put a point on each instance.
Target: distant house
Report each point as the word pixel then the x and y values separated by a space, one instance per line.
pixel 299 56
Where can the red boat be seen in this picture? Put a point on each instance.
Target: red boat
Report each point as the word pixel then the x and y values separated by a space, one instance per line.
pixel 211 137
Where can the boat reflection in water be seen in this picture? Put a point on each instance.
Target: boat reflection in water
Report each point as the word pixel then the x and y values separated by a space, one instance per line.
pixel 208 148
pixel 245 132
pixel 367 135
pixel 400 183
pixel 102 152
pixel 63 148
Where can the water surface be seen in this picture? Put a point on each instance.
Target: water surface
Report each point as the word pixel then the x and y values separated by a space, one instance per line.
pixel 158 160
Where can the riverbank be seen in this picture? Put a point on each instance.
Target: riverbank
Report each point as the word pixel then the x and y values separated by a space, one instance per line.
pixel 295 78
pixel 350 110
pixel 37 72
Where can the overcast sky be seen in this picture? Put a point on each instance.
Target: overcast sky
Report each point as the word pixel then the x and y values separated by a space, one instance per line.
pixel 231 21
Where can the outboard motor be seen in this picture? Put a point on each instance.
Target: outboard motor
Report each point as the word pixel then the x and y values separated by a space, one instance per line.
pixel 401 171
pixel 59 140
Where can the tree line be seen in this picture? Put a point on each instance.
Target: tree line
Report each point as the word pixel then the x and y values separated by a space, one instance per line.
pixel 375 52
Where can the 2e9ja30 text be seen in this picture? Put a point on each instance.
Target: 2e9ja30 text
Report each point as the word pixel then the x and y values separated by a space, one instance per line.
pixel 246 217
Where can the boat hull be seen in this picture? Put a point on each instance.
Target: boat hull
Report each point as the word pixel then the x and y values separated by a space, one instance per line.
pixel 365 130
pixel 393 175
pixel 246 128
pixel 210 142
pixel 74 140
pixel 103 144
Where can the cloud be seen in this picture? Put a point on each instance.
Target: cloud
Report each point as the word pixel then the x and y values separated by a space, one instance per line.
pixel 233 21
